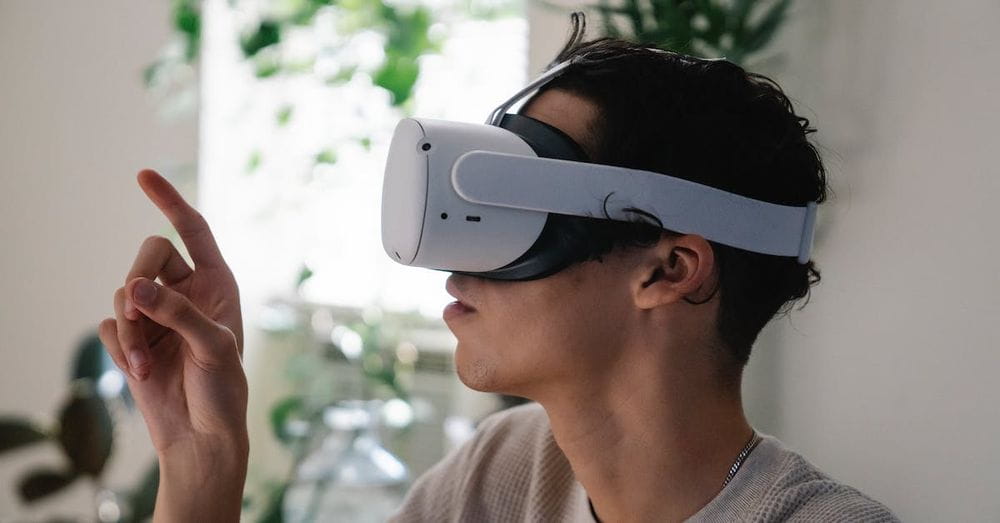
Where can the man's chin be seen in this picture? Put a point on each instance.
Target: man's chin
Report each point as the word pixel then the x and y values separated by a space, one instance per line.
pixel 478 374
pixel 488 372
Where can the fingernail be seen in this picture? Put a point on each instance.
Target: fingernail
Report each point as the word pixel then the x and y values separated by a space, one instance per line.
pixel 137 360
pixel 144 292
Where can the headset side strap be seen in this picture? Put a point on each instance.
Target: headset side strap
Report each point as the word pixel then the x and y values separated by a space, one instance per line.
pixel 808 231
pixel 497 115
pixel 585 189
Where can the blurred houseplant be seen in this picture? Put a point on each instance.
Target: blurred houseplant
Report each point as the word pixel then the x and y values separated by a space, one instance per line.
pixel 403 28
pixel 306 421
pixel 85 435
pixel 733 29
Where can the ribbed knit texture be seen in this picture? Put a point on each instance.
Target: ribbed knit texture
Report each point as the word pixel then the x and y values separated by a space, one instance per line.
pixel 512 470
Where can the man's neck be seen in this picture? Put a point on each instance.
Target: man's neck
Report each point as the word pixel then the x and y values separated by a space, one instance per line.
pixel 648 444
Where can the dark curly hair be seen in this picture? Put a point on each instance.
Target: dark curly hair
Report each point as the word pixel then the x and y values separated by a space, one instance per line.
pixel 711 122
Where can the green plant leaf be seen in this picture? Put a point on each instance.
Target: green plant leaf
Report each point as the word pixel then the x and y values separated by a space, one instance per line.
pixel 326 156
pixel 86 429
pixel 275 506
pixel 717 22
pixel 143 497
pixel 19 432
pixel 92 360
pixel 608 13
pixel 344 75
pixel 43 482
pixel 637 18
pixel 281 413
pixel 266 66
pixel 398 76
pixel 741 12
pixel 302 66
pixel 408 34
pixel 187 22
pixel 707 28
pixel 150 73
pixel 187 19
pixel 304 11
pixel 673 26
pixel 304 274
pixel 267 33
pixel 760 35
pixel 284 115
pixel 254 161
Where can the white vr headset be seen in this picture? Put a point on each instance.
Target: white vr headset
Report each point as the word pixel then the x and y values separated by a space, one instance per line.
pixel 494 200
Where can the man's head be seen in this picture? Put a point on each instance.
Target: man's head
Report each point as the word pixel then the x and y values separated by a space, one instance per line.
pixel 707 121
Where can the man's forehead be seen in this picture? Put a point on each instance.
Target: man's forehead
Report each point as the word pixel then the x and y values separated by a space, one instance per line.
pixel 570 113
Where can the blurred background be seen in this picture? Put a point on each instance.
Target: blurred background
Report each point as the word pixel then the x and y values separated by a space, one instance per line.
pixel 274 116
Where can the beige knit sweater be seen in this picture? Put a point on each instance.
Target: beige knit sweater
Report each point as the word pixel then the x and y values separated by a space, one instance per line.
pixel 512 470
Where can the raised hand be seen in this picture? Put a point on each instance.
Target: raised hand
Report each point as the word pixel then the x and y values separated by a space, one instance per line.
pixel 180 342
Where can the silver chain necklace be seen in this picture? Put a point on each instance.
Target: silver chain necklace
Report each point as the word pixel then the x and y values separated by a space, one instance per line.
pixel 741 457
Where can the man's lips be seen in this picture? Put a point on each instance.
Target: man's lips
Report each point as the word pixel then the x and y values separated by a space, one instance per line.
pixel 456 310
pixel 456 293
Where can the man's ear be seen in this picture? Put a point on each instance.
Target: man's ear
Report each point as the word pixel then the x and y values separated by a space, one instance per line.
pixel 675 268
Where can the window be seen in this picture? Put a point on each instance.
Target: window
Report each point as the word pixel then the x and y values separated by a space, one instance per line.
pixel 274 208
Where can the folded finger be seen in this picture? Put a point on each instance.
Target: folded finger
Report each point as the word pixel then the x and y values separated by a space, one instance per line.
pixel 157 258
pixel 107 331
pixel 190 224
pixel 211 344
pixel 131 339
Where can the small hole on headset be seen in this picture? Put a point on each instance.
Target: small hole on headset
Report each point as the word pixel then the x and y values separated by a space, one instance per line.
pixel 444 216
pixel 472 218
pixel 426 147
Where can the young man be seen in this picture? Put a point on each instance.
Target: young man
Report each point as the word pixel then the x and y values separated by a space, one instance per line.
pixel 633 352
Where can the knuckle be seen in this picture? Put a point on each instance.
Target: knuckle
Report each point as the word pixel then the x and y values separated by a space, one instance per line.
pixel 178 309
pixel 215 360
pixel 224 336
pixel 222 341
pixel 196 224
pixel 155 243
pixel 183 312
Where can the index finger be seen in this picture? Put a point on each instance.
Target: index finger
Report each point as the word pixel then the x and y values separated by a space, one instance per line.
pixel 190 224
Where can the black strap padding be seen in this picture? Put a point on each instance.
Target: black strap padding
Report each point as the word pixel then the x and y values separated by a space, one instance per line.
pixel 547 141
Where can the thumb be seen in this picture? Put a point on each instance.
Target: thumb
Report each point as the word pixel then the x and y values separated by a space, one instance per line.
pixel 212 344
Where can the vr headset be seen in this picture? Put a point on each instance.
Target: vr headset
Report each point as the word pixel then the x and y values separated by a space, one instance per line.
pixel 497 200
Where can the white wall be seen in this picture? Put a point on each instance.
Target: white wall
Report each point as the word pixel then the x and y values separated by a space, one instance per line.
pixel 887 380
pixel 75 126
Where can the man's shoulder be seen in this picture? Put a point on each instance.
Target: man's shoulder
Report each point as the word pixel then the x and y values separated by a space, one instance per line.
pixel 802 492
pixel 776 483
